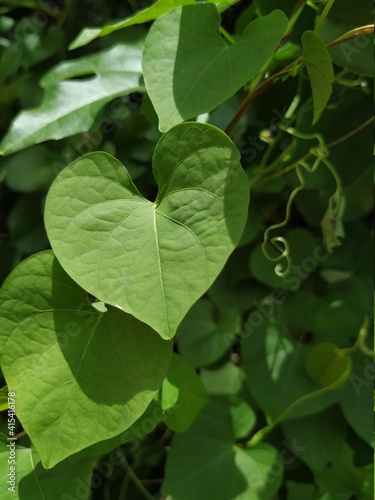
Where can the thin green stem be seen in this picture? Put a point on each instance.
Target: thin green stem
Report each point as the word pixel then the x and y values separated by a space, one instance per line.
pixel 227 36
pixel 323 16
pixel 130 474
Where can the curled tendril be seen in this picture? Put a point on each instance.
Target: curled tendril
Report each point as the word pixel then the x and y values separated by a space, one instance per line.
pixel 321 153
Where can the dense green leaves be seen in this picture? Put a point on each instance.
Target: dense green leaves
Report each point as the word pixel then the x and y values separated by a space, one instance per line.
pixel 319 68
pixel 184 81
pixel 71 106
pixel 222 470
pixel 153 259
pixel 74 358
pixel 269 392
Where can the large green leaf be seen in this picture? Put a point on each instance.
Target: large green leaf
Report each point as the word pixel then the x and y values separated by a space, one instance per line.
pixel 150 13
pixel 320 70
pixel 80 375
pixel 184 81
pixel 33 482
pixel 70 106
pixel 206 462
pixel 153 259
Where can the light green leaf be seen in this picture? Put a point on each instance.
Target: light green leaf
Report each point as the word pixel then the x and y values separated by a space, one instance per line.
pixel 100 370
pixel 184 81
pixel 328 365
pixel 206 462
pixel 205 333
pixel 36 483
pixel 150 13
pixel 153 259
pixel 70 106
pixel 4 398
pixel 226 380
pixel 192 395
pixel 320 70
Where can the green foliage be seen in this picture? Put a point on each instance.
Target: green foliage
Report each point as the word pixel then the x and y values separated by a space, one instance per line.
pixel 202 326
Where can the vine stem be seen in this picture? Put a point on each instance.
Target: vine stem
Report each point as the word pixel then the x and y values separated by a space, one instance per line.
pixel 265 84
pixel 136 481
pixel 323 16
pixel 308 155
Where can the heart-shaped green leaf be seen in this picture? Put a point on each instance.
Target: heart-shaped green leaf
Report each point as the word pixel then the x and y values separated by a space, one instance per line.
pixel 80 376
pixel 153 259
pixel 184 79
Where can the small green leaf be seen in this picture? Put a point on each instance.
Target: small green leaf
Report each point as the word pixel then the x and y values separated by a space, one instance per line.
pixel 154 260
pixel 70 106
pixel 332 222
pixel 36 483
pixel 320 70
pixel 192 394
pixel 92 374
pixel 328 365
pixel 205 333
pixel 155 10
pixel 217 467
pixel 184 81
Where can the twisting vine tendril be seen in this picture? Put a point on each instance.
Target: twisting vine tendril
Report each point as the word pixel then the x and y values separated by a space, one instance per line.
pixel 321 153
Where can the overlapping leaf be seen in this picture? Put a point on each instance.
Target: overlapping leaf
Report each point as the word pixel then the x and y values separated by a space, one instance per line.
pixel 153 259
pixel 33 482
pixel 71 106
pixel 184 81
pixel 80 375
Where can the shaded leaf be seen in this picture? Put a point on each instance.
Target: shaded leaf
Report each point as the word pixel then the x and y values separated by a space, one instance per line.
pixel 98 369
pixel 70 106
pixel 184 81
pixel 205 462
pixel 205 334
